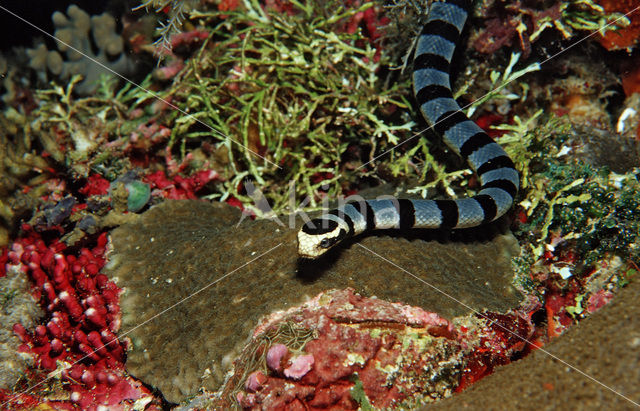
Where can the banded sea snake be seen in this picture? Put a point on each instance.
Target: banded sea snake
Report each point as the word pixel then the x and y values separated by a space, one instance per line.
pixel 498 178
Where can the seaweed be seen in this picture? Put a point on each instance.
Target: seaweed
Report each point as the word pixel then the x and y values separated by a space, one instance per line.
pixel 359 395
pixel 295 88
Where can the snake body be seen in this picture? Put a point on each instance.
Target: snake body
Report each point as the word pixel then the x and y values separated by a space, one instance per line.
pixel 498 178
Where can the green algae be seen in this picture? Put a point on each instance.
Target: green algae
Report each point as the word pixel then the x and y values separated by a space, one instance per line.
pixel 359 395
pixel 296 89
pixel 596 210
pixel 580 15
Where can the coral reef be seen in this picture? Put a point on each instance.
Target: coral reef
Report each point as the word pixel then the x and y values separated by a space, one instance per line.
pixel 178 247
pixel 87 139
pixel 604 346
pixel 258 79
pixel 389 352
pixel 77 32
pixel 522 23
pixel 300 83
pixel 356 352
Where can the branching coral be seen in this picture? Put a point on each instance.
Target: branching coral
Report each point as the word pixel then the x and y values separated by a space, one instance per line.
pixel 77 344
pixel 76 31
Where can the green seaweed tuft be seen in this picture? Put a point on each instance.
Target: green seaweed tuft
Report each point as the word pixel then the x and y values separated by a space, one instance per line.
pixel 359 395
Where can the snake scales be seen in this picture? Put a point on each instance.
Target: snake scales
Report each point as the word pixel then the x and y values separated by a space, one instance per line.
pixel 498 178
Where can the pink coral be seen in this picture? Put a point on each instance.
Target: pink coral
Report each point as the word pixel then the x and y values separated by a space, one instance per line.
pixel 275 355
pixel 299 367
pixel 255 381
pixel 188 38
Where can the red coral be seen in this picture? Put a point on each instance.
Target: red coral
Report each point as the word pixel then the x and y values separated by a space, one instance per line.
pixel 503 336
pixel 96 185
pixel 514 23
pixel 188 38
pixel 371 20
pixel 4 258
pixel 375 340
pixel 82 315
pixel 228 5
pixel 178 187
pixel 486 121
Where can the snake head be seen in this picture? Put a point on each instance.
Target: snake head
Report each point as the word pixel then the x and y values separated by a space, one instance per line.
pixel 319 235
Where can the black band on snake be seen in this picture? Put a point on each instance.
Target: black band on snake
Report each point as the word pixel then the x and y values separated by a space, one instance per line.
pixel 498 178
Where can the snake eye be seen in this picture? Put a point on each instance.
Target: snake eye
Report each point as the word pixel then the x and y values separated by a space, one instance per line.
pixel 326 243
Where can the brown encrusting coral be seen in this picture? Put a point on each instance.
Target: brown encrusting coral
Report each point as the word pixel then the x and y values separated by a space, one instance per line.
pixel 604 346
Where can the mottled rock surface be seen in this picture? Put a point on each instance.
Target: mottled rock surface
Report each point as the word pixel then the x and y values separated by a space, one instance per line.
pixel 179 247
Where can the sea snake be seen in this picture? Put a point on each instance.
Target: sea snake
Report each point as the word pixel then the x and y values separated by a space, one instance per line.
pixel 498 177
